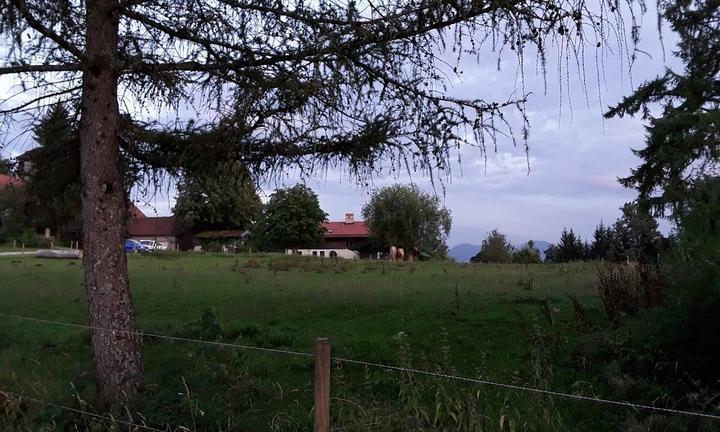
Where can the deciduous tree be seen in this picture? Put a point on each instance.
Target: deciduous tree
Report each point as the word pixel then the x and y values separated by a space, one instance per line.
pixel 292 218
pixel 221 198
pixel 406 217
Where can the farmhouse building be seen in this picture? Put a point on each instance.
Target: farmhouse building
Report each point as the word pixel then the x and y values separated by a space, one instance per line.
pixel 163 230
pixel 349 239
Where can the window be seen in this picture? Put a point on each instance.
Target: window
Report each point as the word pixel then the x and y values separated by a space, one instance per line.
pixel 322 253
pixel 314 253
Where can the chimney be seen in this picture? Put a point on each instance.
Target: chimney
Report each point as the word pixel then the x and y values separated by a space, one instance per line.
pixel 349 218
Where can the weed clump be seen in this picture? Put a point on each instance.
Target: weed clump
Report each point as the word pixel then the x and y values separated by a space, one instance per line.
pixel 626 289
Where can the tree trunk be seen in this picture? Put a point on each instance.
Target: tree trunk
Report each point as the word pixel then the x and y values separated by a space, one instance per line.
pixel 118 362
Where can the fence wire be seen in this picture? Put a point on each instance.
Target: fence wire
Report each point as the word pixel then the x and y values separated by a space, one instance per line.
pixel 498 384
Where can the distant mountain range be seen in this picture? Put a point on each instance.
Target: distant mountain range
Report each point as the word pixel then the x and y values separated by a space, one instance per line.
pixel 463 252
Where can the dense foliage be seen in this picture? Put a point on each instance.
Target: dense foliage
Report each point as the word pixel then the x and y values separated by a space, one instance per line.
pixel 14 217
pixel 292 218
pixel 672 349
pixel 634 237
pixel 223 198
pixel 406 217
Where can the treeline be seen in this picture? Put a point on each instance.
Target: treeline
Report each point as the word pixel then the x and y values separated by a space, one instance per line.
pixel 633 237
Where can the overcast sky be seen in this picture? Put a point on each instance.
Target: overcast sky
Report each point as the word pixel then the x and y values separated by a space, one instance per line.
pixel 575 156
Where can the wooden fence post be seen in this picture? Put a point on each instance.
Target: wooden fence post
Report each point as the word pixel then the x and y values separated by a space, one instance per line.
pixel 322 385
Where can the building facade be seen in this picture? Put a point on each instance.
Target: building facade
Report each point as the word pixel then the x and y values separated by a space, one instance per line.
pixel 163 230
pixel 348 239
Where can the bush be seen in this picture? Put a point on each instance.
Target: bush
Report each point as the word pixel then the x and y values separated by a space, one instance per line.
pixel 627 289
pixel 31 239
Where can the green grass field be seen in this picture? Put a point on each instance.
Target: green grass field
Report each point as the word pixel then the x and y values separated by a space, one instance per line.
pixel 509 323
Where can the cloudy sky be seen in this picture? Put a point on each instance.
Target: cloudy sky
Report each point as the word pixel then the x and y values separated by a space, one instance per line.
pixel 575 156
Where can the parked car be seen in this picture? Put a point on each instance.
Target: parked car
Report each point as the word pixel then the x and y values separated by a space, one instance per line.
pixel 153 245
pixel 135 246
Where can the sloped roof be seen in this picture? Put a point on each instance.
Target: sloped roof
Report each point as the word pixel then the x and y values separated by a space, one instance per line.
pixel 153 227
pixel 6 180
pixel 136 213
pixel 342 229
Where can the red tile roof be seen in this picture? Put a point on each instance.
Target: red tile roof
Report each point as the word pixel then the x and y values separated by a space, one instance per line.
pixel 6 180
pixel 136 213
pixel 152 227
pixel 342 229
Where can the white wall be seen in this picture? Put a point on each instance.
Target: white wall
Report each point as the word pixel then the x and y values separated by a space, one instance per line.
pixel 326 253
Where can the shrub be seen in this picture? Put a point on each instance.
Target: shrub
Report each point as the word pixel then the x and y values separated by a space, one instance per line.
pixel 30 238
pixel 627 289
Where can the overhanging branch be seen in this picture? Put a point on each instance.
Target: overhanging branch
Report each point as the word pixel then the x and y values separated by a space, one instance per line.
pixel 9 70
pixel 35 24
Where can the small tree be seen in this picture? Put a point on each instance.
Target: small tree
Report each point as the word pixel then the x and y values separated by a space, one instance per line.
pixel 637 232
pixel 223 198
pixel 407 217
pixel 528 254
pixel 569 248
pixel 292 218
pixel 602 242
pixel 495 249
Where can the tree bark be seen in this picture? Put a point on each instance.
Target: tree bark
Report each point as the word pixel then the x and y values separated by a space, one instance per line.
pixel 116 353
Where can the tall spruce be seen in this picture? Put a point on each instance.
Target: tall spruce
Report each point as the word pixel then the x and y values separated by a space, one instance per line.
pixel 636 232
pixel 53 173
pixel 602 242
pixel 308 84
pixel 683 139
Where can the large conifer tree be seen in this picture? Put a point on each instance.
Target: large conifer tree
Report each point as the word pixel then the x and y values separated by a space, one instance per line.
pixel 309 83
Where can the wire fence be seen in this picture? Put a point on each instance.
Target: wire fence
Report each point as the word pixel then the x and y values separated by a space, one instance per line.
pixel 486 382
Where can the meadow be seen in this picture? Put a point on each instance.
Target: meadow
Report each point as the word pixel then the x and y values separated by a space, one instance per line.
pixel 507 323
